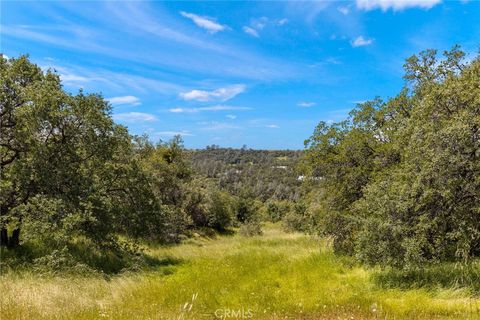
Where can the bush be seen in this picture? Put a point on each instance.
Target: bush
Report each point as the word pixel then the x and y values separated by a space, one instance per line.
pixel 207 206
pixel 250 229
pixel 296 219
pixel 245 209
pixel 276 210
pixel 220 210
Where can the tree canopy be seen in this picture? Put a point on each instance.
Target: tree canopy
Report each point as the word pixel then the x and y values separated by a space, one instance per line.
pixel 401 178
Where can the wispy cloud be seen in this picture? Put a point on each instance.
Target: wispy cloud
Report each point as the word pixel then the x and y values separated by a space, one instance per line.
pixel 258 24
pixel 358 101
pixel 171 133
pixel 250 31
pixel 213 108
pixel 231 116
pixel 326 61
pixel 72 77
pixel 221 94
pixel 309 9
pixel 214 125
pixel 134 117
pixel 345 10
pixel 306 104
pixel 395 5
pixel 262 123
pixel 132 100
pixel 31 33
pixel 283 21
pixel 204 22
pixel 157 31
pixel 76 76
pixel 361 41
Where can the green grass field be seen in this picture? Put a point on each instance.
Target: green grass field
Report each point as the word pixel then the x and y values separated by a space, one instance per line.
pixel 274 276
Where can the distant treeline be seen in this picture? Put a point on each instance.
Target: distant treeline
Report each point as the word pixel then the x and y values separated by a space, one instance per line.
pixel 266 174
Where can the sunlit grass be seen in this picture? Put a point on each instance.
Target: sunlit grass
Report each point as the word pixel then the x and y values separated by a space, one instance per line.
pixel 276 276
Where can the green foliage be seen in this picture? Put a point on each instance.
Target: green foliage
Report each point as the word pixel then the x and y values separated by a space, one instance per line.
pixel 245 208
pixel 441 275
pixel 251 228
pixel 297 218
pixel 276 276
pixel 207 206
pixel 68 172
pixel 400 178
pixel 64 161
pixel 220 211
pixel 268 174
pixel 276 210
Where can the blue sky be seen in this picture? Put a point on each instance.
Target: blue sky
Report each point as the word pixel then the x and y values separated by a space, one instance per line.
pixel 232 73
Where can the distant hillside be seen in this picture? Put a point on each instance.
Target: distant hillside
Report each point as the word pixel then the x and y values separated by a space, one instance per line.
pixel 264 173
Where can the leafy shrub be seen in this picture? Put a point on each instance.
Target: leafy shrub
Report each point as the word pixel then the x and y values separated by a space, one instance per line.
pixel 220 210
pixel 296 219
pixel 276 210
pixel 245 209
pixel 250 229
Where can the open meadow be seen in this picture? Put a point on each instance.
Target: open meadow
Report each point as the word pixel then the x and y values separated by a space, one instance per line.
pixel 274 276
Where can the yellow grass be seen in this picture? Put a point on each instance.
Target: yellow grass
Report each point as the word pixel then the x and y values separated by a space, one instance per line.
pixel 274 276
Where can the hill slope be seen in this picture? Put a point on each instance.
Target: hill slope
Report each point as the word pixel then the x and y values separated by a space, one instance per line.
pixel 293 276
pixel 266 174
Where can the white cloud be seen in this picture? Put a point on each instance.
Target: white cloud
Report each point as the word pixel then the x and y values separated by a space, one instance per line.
pixel 333 60
pixel 344 10
pixel 90 79
pixel 250 31
pixel 231 116
pixel 134 117
pixel 213 108
pixel 5 56
pixel 153 33
pixel 395 5
pixel 214 125
pixel 221 94
pixel 177 110
pixel 172 133
pixel 70 78
pixel 204 22
pixel 358 101
pixel 199 95
pixel 326 61
pixel 124 100
pixel 306 104
pixel 273 126
pixel 259 23
pixel 360 42
pixel 222 108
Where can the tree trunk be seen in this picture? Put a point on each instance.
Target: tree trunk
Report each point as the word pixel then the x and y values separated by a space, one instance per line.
pixel 3 237
pixel 14 240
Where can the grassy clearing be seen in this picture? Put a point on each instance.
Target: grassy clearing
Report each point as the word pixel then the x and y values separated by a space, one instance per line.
pixel 274 276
